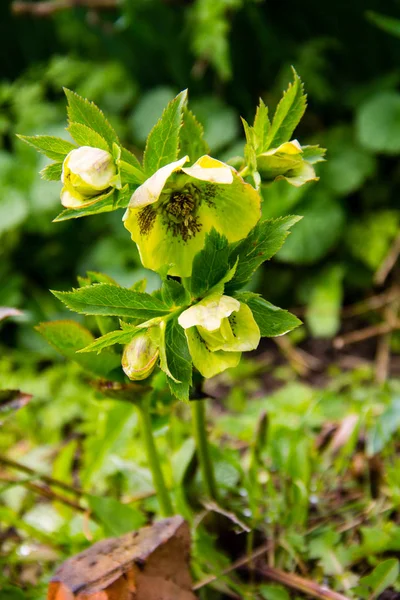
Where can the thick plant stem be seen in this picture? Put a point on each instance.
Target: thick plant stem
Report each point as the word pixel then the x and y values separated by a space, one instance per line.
pixel 203 454
pixel 154 461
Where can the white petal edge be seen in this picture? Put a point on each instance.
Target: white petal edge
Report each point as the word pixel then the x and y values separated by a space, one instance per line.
pixel 215 172
pixel 209 312
pixel 150 191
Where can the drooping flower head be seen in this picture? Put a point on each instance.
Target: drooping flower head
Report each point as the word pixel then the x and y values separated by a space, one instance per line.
pixel 87 172
pixel 218 329
pixel 286 162
pixel 171 212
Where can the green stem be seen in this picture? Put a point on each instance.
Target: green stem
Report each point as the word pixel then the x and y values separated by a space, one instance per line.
pixel 203 453
pixel 154 461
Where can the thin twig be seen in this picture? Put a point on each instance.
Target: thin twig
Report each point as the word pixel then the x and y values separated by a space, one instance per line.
pixel 44 491
pixel 382 364
pixel 46 9
pixel 295 582
pixel 371 303
pixel 45 478
pixel 364 334
pixel 302 362
pixel 388 263
pixel 241 562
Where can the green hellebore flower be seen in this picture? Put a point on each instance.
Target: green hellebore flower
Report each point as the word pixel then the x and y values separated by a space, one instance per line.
pixel 170 213
pixel 140 356
pixel 286 162
pixel 86 173
pixel 218 329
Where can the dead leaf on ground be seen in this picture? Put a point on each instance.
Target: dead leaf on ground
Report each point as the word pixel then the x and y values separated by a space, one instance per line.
pixel 149 564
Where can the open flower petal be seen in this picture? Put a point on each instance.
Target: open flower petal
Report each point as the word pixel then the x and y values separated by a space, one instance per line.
pixel 207 362
pixel 209 313
pixel 169 220
pixel 246 333
pixel 210 169
pixel 150 191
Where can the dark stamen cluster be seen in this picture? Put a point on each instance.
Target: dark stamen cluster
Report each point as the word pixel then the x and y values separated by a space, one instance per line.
pixel 179 214
pixel 146 218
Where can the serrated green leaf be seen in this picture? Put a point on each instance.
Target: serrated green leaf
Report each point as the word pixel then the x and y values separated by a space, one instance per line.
pixel 86 136
pixel 250 147
pixel 87 113
pixel 113 301
pixel 174 294
pixel 100 204
pixel 191 137
pixel 178 360
pixel 130 158
pixel 110 339
pixel 52 172
pixel 271 320
pixel 68 337
pixel 49 145
pixel 115 517
pixel 260 245
pixel 288 114
pixel 261 126
pixel 211 264
pixel 163 141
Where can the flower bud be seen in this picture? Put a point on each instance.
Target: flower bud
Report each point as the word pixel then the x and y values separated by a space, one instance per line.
pixel 86 173
pixel 140 356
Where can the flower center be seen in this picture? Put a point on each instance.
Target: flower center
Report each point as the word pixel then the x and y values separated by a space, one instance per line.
pixel 179 213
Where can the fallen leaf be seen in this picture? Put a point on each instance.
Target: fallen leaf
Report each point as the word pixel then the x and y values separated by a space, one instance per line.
pixel 149 564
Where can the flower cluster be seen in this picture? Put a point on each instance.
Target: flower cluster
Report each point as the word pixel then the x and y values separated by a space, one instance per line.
pixel 196 221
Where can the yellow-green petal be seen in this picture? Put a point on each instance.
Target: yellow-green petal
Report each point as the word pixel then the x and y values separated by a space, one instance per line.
pixel 210 169
pixel 246 333
pixel 209 312
pixel 209 363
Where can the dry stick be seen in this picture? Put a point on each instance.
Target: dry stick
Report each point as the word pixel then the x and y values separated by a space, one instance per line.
pixel 372 303
pixel 45 478
pixel 301 584
pixel 300 361
pixel 46 9
pixel 382 365
pixel 364 334
pixel 241 562
pixel 388 262
pixel 44 491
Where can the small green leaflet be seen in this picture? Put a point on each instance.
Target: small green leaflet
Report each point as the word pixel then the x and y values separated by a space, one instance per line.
pixel 211 264
pixel 261 126
pixel 49 145
pixel 109 339
pixel 86 136
pixel 68 337
pixel 178 360
pixel 383 576
pixel 113 301
pixel 287 115
pixel 174 294
pixel 163 140
pixel 271 320
pixel 115 517
pixel 52 172
pixel 261 244
pixel 87 113
pixel 191 140
pixel 313 154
